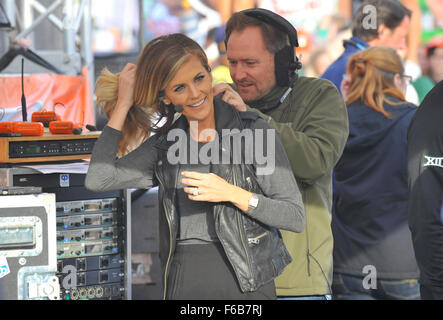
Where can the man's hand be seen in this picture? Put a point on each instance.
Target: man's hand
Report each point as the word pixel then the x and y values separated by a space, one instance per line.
pixel 230 96
pixel 345 86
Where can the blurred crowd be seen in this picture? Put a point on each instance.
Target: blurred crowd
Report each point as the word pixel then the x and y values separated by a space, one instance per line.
pixel 322 25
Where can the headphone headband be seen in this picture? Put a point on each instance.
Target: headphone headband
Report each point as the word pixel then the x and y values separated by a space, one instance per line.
pixel 285 60
pixel 276 21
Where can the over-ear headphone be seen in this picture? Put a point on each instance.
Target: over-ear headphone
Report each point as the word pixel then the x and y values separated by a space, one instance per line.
pixel 285 60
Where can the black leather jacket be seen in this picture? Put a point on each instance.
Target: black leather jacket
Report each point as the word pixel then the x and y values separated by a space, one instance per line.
pixel 256 251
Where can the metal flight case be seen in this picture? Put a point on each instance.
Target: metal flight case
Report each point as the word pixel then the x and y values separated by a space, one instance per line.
pixel 92 234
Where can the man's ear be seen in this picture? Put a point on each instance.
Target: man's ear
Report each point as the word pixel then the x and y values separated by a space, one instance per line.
pixel 382 31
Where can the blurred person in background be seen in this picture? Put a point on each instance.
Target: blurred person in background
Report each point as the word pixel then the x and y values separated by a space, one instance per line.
pixel 211 49
pixel 432 19
pixel 220 73
pixel 197 18
pixel 339 29
pixel 389 27
pixel 227 7
pixel 434 72
pixel 425 169
pixel 373 253
pixel 319 61
pixel 307 15
pixel 316 22
pixel 162 17
pixel 349 7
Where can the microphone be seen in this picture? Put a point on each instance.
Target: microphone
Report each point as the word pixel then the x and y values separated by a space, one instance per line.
pixel 90 127
pixel 23 128
pixel 178 108
pixel 24 111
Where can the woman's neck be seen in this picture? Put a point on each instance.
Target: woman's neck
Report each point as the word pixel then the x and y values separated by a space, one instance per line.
pixel 203 130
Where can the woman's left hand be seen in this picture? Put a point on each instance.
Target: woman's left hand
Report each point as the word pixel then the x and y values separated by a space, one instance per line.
pixel 210 186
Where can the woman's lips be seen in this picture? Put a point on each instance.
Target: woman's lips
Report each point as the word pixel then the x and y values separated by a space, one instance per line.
pixel 198 104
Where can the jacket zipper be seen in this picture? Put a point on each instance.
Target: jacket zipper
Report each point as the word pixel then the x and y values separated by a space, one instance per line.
pixel 256 240
pixel 240 228
pixel 170 241
pixel 308 254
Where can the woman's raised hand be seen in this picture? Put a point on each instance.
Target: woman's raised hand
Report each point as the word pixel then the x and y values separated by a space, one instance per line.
pixel 125 100
pixel 126 82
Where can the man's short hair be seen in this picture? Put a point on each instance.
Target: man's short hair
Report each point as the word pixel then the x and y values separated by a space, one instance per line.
pixel 273 38
pixel 389 13
pixel 433 44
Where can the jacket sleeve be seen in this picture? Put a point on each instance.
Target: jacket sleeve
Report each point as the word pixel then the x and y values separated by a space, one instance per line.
pixel 134 170
pixel 315 140
pixel 281 204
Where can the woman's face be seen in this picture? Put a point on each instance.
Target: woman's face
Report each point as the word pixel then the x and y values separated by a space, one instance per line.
pixel 436 64
pixel 401 82
pixel 191 88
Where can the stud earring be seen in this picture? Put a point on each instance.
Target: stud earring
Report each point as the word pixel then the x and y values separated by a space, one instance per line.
pixel 162 99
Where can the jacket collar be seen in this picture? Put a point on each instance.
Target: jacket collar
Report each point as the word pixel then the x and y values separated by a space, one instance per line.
pixel 270 99
pixel 355 43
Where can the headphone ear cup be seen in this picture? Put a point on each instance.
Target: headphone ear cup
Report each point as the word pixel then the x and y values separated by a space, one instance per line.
pixel 284 66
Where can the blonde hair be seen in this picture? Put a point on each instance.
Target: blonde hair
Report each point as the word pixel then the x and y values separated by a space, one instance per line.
pixel 371 74
pixel 156 66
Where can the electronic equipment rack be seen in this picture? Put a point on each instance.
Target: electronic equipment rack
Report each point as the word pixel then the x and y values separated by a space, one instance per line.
pixel 93 236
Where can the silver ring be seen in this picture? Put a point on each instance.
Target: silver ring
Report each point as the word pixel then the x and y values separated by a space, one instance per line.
pixel 195 193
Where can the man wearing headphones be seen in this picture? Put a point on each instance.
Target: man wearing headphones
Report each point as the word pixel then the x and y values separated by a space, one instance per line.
pixel 310 117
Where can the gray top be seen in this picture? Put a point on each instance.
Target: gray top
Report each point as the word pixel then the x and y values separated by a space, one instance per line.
pixel 280 206
pixel 197 224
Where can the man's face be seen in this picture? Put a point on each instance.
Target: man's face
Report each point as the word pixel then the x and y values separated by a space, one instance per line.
pixel 251 65
pixel 395 38
pixel 436 64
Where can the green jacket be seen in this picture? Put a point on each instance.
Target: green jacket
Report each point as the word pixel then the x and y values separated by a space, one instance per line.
pixel 423 85
pixel 312 124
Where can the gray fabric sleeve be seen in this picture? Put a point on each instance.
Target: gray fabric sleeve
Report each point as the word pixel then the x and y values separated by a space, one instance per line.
pixel 281 204
pixel 107 172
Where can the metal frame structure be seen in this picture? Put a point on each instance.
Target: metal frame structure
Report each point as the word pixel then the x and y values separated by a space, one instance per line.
pixel 75 26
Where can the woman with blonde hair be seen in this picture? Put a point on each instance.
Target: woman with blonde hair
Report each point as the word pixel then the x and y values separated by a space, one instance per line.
pixel 220 211
pixel 373 254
